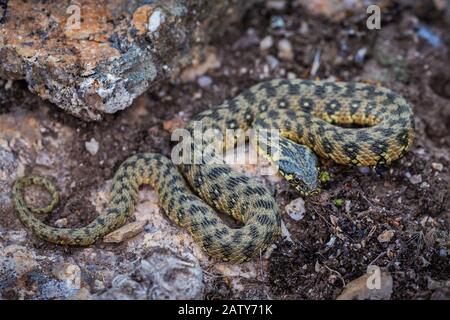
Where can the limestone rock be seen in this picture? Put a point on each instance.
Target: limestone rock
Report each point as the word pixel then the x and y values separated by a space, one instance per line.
pixel 95 57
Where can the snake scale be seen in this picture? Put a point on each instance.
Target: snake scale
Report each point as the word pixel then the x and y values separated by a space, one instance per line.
pixel 350 123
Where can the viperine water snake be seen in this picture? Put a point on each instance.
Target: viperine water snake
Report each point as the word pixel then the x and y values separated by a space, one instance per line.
pixel 313 117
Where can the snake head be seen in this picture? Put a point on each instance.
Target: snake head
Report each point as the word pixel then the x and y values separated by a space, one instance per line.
pixel 301 171
pixel 305 185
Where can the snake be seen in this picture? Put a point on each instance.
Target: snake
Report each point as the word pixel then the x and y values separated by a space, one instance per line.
pixel 351 123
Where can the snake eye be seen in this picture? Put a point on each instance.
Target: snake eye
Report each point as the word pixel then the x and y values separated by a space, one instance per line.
pixel 297 179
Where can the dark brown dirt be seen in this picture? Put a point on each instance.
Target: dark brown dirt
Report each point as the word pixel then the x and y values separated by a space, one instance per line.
pixel 387 200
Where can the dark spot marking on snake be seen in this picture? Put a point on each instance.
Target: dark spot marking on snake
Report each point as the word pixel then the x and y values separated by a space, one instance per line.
pixel 332 107
pixel 266 204
pixel 293 89
pixel 379 147
pixel 254 232
pixel 320 91
pixel 351 150
pixel 263 219
pixel 249 249
pixel 226 250
pixel 207 241
pixel 263 105
pixel 269 88
pixel 327 145
pixel 249 96
pixel 237 236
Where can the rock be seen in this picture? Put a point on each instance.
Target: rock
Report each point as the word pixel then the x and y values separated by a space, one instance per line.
pixel 364 170
pixel 9 170
pixel 21 258
pixel 437 166
pixel 61 223
pixel 204 81
pixel 375 285
pixel 92 146
pixel 44 159
pixel 266 43
pixel 160 275
pixel 361 55
pixel 277 22
pixel 386 236
pixel 272 62
pixel 296 209
pixel 415 179
pixel 97 57
pixel 249 39
pixel 285 50
pixel 126 232
pixel 68 273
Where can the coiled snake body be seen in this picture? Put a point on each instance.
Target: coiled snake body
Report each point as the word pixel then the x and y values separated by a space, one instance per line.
pixel 311 117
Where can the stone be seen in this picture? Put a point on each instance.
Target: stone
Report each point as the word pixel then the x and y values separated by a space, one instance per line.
pixel 204 81
pixel 266 43
pixel 386 236
pixel 377 285
pixel 285 50
pixel 21 258
pixel 272 62
pixel 437 166
pixel 126 232
pixel 92 146
pixel 415 179
pixel 92 58
pixel 296 209
pixel 161 274
pixel 68 273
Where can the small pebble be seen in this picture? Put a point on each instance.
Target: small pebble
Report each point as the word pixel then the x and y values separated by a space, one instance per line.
pixel 386 236
pixel 155 21
pixel 415 179
pixel 98 285
pixel 204 81
pixel 44 159
pixel 285 50
pixel 424 185
pixel 272 62
pixel 364 170
pixel 61 223
pixel 277 22
pixel 291 76
pixel 296 209
pixel 437 166
pixel 331 242
pixel 92 146
pixel 361 55
pixel 266 43
pixel 69 273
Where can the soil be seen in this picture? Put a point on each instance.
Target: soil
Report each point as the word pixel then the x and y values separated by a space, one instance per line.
pixel 338 237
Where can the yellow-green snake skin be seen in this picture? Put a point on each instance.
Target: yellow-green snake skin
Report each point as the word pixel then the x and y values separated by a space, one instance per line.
pixel 314 118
